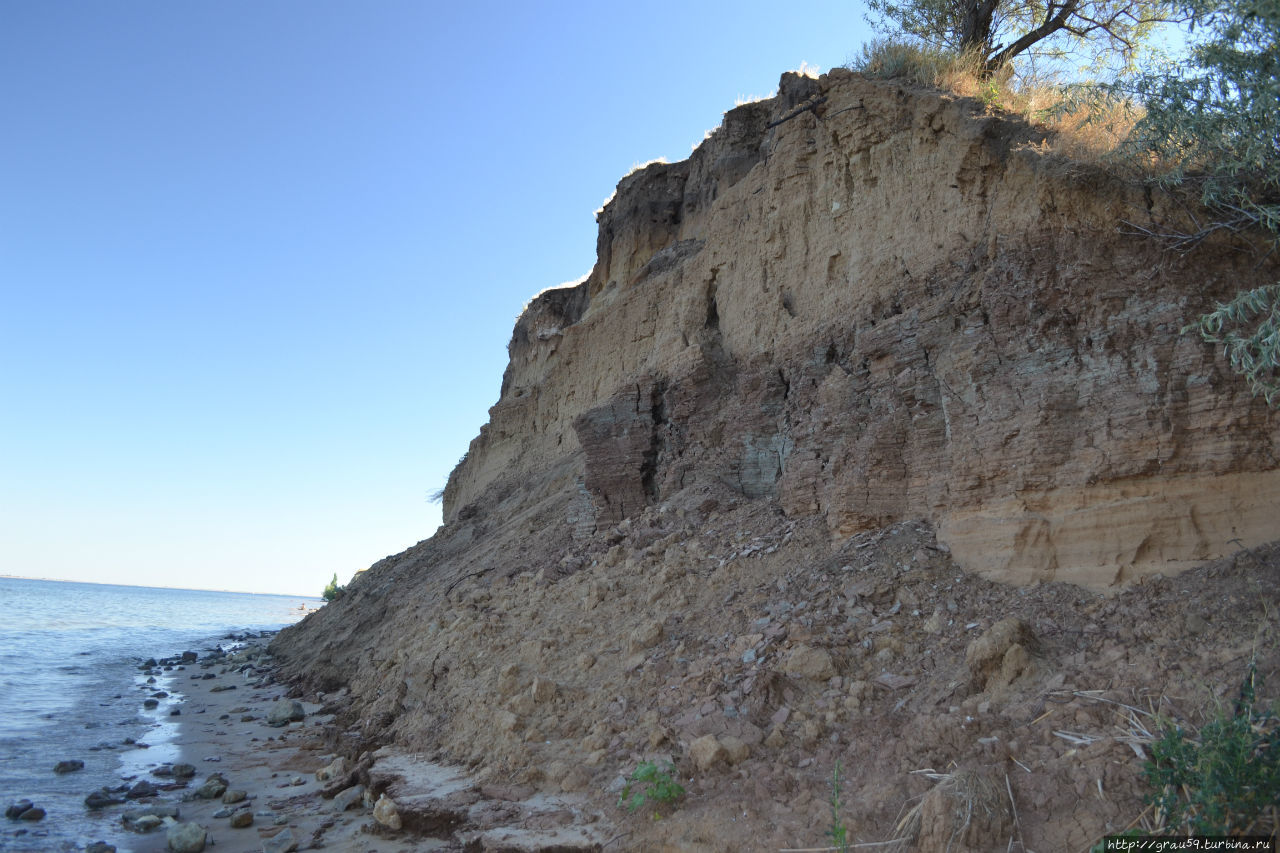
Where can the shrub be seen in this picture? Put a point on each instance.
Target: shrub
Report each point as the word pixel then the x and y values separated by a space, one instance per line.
pixel 889 59
pixel 659 786
pixel 1221 779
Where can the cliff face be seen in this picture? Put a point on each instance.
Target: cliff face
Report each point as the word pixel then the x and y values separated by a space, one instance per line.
pixel 889 307
pixel 869 434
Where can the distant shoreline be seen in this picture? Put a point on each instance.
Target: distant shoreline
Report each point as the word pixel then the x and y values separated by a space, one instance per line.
pixel 4 576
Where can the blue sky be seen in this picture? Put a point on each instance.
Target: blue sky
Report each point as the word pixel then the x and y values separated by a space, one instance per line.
pixel 259 261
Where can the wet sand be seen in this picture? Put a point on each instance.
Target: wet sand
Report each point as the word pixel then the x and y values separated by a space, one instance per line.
pixel 222 730
pixel 223 770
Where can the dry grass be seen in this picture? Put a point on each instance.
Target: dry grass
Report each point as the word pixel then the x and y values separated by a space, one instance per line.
pixel 1088 131
pixel 965 810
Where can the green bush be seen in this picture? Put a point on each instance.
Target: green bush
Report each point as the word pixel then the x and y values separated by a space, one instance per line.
pixel 332 591
pixel 1211 121
pixel 1219 780
pixel 889 59
pixel 659 786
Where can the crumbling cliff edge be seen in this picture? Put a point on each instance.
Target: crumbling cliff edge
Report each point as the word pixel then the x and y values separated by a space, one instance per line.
pixel 872 437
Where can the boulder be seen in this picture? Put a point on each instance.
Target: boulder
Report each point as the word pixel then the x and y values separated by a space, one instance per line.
pixel 242 819
pixel 543 689
pixel 644 637
pixel 735 749
pixel 809 662
pixel 102 798
pixel 183 771
pixel 68 766
pixel 186 838
pixel 213 788
pixel 1000 655
pixel 140 790
pixel 15 811
pixel 284 712
pixel 348 798
pixel 706 752
pixel 332 770
pixel 386 813
pixel 145 823
pixel 281 842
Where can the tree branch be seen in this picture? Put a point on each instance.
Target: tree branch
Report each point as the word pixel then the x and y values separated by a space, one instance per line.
pixel 1056 18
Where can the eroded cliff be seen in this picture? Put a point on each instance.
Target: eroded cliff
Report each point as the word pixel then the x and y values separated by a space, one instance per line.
pixel 866 375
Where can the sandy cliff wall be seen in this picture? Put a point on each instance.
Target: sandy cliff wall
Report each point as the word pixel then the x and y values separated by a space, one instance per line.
pixel 870 305
pixel 864 339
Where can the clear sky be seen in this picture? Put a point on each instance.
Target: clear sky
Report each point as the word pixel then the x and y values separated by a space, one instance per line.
pixel 260 260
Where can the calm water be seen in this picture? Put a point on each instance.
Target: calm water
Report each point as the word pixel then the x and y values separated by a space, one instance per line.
pixel 70 688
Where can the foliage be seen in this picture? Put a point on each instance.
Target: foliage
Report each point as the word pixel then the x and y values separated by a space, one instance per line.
pixel 659 786
pixel 890 59
pixel 998 31
pixel 1248 327
pixel 838 833
pixel 332 590
pixel 1211 123
pixel 1219 780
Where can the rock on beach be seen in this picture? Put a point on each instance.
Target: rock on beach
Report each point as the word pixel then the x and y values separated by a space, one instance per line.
pixel 186 837
pixel 24 810
pixel 284 712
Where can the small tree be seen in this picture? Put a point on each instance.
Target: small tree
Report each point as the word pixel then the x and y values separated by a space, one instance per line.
pixel 1214 123
pixel 332 591
pixel 996 32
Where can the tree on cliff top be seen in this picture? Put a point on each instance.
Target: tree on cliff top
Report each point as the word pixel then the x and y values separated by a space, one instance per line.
pixel 995 32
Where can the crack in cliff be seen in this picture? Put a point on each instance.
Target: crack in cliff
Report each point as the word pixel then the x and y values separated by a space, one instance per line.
pixel 657 441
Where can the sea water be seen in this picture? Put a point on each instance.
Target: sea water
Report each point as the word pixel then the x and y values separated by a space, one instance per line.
pixel 70 688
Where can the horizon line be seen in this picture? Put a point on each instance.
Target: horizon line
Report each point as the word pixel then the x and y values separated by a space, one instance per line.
pixel 5 575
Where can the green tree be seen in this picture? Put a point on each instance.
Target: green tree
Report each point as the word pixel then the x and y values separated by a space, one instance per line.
pixel 332 591
pixel 996 32
pixel 1213 122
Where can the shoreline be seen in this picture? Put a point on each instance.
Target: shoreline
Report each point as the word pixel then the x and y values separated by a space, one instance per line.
pixel 229 763
pixel 252 786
